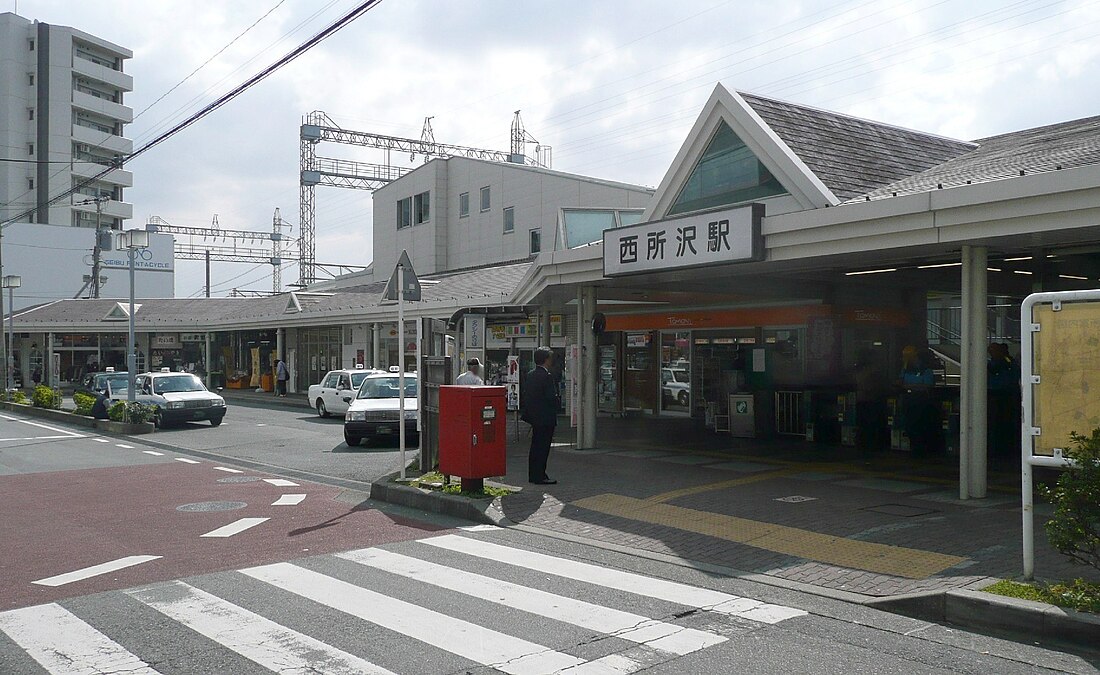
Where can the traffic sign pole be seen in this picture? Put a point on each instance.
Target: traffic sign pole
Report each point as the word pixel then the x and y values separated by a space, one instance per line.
pixel 401 372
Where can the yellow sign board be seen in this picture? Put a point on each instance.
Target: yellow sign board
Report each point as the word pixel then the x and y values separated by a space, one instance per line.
pixel 1067 360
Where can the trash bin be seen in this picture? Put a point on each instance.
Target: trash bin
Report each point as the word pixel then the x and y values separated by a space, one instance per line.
pixel 743 415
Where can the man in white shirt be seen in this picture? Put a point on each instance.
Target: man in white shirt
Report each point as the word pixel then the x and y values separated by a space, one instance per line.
pixel 471 378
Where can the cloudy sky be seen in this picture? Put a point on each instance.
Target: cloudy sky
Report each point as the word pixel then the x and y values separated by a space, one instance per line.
pixel 612 86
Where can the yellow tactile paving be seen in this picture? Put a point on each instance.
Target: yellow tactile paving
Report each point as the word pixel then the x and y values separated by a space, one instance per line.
pixel 864 555
pixel 745 480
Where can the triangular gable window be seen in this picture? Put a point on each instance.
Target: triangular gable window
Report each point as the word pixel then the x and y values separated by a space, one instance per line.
pixel 727 173
pixel 292 305
pixel 120 312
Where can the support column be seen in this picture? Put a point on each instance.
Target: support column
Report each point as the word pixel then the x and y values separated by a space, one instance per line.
pixel 975 342
pixel 544 326
pixel 589 369
pixel 209 363
pixel 280 344
pixel 375 344
pixel 47 367
pixel 580 370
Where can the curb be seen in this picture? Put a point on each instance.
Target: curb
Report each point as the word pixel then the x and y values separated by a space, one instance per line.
pixel 66 417
pixel 296 403
pixel 483 511
pixel 1021 620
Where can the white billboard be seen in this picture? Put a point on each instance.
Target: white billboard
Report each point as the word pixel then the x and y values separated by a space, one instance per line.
pixel 53 262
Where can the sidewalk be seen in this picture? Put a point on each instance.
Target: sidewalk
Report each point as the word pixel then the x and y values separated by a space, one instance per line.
pixel 879 525
pixel 265 399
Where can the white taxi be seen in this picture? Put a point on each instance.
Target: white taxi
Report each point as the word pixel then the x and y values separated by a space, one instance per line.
pixel 376 410
pixel 336 389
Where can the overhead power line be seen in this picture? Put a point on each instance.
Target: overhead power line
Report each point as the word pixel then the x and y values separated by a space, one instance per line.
pixel 329 31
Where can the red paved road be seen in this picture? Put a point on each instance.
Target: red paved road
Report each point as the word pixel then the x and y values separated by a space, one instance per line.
pixel 58 522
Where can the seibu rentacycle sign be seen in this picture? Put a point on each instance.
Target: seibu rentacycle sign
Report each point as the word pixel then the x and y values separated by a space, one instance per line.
pixel 713 238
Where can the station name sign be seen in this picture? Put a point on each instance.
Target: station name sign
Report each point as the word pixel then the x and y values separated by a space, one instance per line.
pixel 713 238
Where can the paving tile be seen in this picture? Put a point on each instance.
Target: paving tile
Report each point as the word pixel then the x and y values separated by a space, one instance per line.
pixel 816 475
pixel 884 484
pixel 952 497
pixel 641 454
pixel 686 459
pixel 747 467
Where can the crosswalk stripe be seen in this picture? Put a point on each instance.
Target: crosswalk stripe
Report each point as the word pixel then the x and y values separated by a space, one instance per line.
pixel 657 634
pixel 280 482
pixel 95 570
pixel 483 645
pixel 252 636
pixel 661 589
pixel 62 643
pixel 236 527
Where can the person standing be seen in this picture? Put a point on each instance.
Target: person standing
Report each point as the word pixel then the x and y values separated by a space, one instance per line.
pixel 540 410
pixel 472 377
pixel 282 375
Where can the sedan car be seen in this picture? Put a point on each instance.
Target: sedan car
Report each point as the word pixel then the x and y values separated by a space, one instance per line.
pixel 336 390
pixel 97 383
pixel 376 411
pixel 177 398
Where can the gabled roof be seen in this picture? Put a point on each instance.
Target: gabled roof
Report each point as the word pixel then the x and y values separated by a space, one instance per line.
pixel 853 156
pixel 1065 145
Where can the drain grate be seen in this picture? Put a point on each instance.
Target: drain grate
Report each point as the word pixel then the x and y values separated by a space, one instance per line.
pixel 795 499
pixel 899 510
pixel 212 506
pixel 239 479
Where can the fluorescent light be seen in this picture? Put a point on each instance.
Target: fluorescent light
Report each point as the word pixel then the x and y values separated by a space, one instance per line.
pixel 1022 272
pixel 1070 276
pixel 993 269
pixel 928 267
pixel 1027 257
pixel 889 269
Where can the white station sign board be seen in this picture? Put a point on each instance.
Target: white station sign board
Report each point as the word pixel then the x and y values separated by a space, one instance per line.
pixel 713 238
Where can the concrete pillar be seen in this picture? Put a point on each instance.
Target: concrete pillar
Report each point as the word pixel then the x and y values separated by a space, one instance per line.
pixel 975 342
pixel 280 344
pixel 47 366
pixel 544 326
pixel 580 370
pixel 375 344
pixel 209 363
pixel 589 369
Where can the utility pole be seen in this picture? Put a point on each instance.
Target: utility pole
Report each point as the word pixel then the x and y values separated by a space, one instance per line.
pixel 208 273
pixel 98 250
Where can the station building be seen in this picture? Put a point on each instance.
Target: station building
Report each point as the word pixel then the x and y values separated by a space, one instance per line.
pixel 792 263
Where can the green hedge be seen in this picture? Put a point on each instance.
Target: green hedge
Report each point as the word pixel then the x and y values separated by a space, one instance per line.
pixel 44 397
pixel 84 403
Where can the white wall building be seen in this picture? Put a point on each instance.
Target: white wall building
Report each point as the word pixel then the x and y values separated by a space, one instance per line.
pixel 459 213
pixel 63 111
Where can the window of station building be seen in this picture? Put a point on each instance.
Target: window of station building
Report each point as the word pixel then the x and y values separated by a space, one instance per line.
pixel 509 220
pixel 486 202
pixel 584 226
pixel 31 45
pixel 536 242
pixel 422 207
pixel 464 205
pixel 30 148
pixel 404 212
pixel 30 183
pixel 727 173
pixel 30 79
pixel 30 113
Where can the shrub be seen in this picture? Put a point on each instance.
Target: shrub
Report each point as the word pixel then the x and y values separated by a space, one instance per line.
pixel 84 403
pixel 44 397
pixel 1075 528
pixel 18 397
pixel 134 413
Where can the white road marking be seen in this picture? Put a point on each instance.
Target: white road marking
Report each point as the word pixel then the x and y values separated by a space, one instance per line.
pixel 123 445
pixel 252 636
pixel 661 589
pixel 477 643
pixel 101 440
pixel 227 469
pixel 95 570
pixel 62 643
pixel 261 425
pixel 154 453
pixel 289 500
pixel 633 627
pixel 235 527
pixel 280 482
pixel 47 427
pixel 185 460
pixel 36 438
pixel 479 528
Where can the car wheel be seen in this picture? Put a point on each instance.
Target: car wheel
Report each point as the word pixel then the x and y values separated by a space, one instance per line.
pixel 216 421
pixel 352 440
pixel 322 411
pixel 158 423
pixel 683 398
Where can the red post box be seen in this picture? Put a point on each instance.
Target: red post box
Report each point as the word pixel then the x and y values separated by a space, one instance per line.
pixel 472 433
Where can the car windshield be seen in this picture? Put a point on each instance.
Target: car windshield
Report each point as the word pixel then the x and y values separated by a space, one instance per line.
pixel 117 380
pixel 679 376
pixel 357 379
pixel 386 387
pixel 174 383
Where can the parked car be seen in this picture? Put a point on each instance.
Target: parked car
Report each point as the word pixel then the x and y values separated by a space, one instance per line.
pixel 376 413
pixel 336 389
pixel 675 385
pixel 97 383
pixel 175 397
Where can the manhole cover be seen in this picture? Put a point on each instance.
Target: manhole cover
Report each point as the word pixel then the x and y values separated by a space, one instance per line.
pixel 212 506
pixel 795 499
pixel 239 479
pixel 900 510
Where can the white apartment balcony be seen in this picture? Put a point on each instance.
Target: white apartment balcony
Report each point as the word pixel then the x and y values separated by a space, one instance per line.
pixel 90 170
pixel 115 145
pixel 111 209
pixel 102 106
pixel 115 78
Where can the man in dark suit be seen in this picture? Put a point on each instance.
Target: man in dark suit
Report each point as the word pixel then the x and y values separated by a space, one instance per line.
pixel 540 410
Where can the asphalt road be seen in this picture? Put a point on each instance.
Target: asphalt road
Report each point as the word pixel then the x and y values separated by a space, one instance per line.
pixel 102 571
